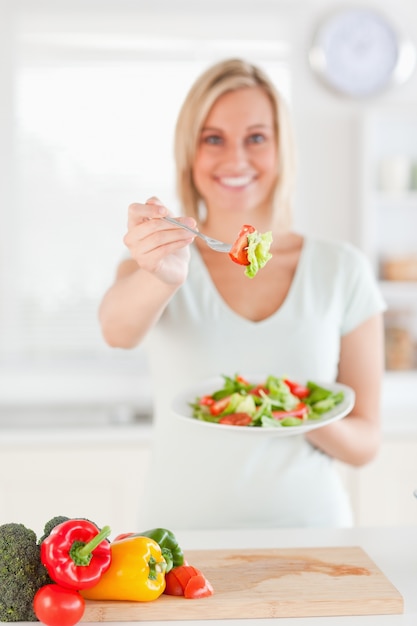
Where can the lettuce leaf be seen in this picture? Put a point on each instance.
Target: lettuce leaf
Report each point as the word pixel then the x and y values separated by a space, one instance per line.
pixel 258 252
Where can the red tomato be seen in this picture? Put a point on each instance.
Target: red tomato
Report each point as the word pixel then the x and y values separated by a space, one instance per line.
pixel 239 251
pixel 219 406
pixel 298 390
pixel 236 419
pixel 56 606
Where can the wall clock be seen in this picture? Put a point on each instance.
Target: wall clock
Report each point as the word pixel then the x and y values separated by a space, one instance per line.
pixel 359 52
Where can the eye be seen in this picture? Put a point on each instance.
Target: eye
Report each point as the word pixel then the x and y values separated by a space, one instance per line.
pixel 212 140
pixel 256 138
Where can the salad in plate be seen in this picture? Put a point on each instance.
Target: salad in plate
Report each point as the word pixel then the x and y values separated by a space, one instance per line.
pixel 276 402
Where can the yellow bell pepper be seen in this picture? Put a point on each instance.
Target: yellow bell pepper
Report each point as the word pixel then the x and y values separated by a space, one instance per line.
pixel 136 572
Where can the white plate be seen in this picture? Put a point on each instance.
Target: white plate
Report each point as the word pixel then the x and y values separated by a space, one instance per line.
pixel 182 409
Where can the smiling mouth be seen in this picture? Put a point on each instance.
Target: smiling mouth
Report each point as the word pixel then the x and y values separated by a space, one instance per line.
pixel 236 181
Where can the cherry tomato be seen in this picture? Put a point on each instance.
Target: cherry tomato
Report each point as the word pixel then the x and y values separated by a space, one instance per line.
pixel 239 251
pixel 236 419
pixel 56 606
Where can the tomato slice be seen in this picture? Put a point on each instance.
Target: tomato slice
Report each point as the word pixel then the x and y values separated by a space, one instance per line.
pixel 206 400
pixel 300 411
pixel 298 390
pixel 198 587
pixel 219 406
pixel 177 579
pixel 236 419
pixel 173 586
pixel 256 391
pixel 239 251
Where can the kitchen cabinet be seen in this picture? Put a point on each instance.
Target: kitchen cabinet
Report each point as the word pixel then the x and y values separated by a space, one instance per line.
pixel 387 224
pixel 382 491
pixel 100 481
pixel 101 475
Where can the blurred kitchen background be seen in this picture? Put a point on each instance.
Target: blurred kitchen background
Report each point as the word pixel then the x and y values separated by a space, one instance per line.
pixel 89 93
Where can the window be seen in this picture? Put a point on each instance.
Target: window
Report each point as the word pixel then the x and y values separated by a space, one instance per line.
pixel 94 117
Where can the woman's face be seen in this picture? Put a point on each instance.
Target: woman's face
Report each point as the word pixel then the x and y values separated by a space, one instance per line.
pixel 235 167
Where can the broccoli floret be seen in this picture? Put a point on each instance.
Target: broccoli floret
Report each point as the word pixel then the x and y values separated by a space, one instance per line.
pixel 49 526
pixel 21 573
pixel 58 519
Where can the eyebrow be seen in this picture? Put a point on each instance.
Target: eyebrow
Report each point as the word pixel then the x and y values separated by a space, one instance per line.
pixel 252 127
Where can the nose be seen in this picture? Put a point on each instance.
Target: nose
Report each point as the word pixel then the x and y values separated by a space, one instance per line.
pixel 236 154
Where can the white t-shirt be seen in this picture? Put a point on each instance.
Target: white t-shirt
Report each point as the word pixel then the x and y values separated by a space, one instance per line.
pixel 202 479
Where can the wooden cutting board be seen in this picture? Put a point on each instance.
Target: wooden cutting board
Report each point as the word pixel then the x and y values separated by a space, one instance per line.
pixel 302 582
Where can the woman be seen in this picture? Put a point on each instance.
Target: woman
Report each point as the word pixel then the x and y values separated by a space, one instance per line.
pixel 313 312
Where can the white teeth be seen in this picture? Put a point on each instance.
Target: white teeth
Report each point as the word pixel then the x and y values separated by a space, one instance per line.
pixel 237 181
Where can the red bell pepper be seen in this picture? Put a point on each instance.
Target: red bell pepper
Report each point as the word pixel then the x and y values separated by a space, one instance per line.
pixel 76 553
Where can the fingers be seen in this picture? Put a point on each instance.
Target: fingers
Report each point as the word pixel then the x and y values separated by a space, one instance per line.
pixel 148 234
pixel 138 212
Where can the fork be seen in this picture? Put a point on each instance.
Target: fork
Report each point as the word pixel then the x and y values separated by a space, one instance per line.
pixel 214 244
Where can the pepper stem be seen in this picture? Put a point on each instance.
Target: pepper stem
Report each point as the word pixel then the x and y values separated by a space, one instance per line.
pixel 156 568
pixel 81 553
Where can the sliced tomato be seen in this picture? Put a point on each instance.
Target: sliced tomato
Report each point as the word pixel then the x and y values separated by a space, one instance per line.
pixel 300 411
pixel 187 581
pixel 239 251
pixel 173 586
pixel 219 406
pixel 236 419
pixel 198 587
pixel 298 390
pixel 177 579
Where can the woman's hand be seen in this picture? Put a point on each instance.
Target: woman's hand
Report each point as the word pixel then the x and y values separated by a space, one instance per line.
pixel 158 247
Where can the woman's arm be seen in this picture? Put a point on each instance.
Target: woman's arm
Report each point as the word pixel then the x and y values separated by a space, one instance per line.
pixel 356 438
pixel 145 283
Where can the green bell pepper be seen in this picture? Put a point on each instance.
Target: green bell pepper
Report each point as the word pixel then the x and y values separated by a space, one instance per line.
pixel 171 551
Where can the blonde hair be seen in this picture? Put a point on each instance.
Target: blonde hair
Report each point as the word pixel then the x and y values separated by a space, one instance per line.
pixel 223 77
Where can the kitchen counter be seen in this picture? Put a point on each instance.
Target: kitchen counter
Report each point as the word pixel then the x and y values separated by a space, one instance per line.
pixel 394 551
